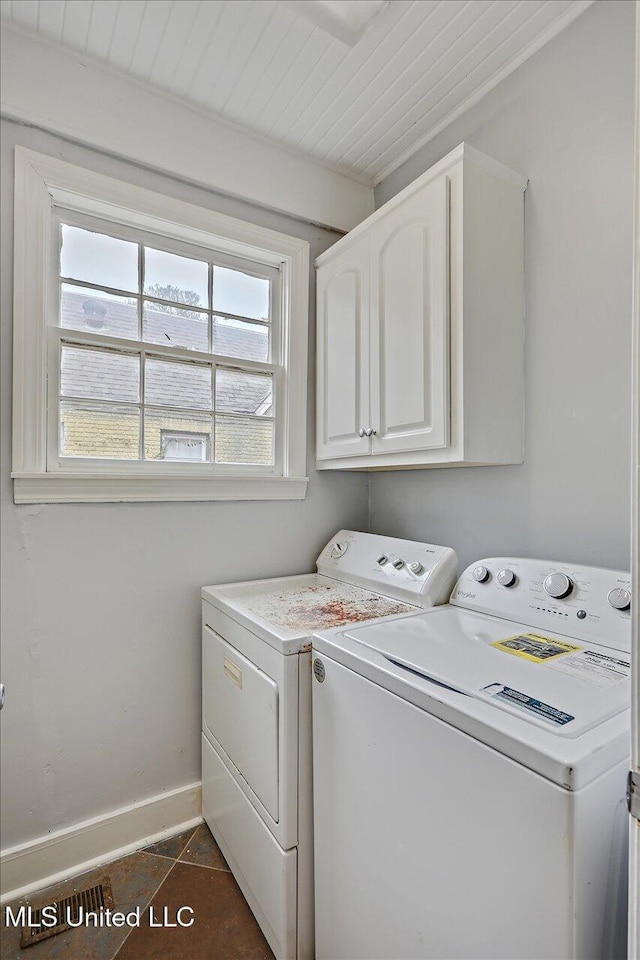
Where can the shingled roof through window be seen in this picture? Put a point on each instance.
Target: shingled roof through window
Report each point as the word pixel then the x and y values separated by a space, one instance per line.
pixel 105 376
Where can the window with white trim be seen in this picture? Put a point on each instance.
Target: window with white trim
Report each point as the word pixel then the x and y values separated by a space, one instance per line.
pixel 173 357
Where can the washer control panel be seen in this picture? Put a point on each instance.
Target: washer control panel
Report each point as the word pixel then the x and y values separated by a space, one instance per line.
pixel 419 573
pixel 576 601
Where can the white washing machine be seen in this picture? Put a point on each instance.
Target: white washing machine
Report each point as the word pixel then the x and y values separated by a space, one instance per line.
pixel 256 715
pixel 469 772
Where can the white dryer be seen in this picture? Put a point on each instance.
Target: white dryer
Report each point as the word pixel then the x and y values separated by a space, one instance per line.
pixel 469 772
pixel 256 714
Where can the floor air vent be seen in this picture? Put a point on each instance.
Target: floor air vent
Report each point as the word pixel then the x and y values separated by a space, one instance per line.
pixel 51 918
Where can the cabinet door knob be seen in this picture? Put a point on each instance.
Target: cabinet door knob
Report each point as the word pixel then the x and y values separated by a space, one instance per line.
pixel 370 432
pixel 362 432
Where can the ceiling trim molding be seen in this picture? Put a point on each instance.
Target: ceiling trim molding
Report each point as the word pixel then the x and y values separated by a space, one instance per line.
pixel 555 28
pixel 70 95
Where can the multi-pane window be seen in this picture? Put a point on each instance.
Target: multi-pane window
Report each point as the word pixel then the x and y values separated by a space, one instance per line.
pixel 165 352
pixel 160 346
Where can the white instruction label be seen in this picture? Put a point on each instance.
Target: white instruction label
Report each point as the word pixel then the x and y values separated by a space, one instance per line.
pixel 540 709
pixel 603 669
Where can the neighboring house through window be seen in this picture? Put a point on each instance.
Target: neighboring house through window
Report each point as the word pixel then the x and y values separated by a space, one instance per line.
pixel 172 348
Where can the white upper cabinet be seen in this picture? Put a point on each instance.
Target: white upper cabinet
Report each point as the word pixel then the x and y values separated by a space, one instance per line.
pixel 420 325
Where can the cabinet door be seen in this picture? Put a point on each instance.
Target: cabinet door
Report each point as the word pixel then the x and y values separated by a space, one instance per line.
pixel 343 354
pixel 410 323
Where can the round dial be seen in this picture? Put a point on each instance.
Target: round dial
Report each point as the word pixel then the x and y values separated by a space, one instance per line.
pixel 619 598
pixel 339 550
pixel 507 578
pixel 416 567
pixel 558 585
pixel 480 573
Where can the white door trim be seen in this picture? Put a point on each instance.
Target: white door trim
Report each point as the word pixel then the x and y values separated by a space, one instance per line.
pixel 634 825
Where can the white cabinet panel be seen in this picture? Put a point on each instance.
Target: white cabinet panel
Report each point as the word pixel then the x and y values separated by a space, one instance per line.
pixel 410 324
pixel 343 354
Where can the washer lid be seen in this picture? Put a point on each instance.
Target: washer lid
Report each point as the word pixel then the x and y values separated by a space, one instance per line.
pixel 562 686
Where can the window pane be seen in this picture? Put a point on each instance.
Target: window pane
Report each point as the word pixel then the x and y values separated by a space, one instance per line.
pixel 172 435
pixel 236 338
pixel 175 327
pixel 244 440
pixel 97 258
pixel 98 312
pixel 99 374
pixel 238 392
pixel 175 278
pixel 177 384
pixel 99 430
pixel 236 292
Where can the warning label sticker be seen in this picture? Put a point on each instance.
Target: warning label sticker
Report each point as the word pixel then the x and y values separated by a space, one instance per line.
pixel 535 647
pixel 524 702
pixel 603 669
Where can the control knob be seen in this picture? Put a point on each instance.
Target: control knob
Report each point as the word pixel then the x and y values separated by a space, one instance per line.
pixel 416 567
pixel 480 573
pixel 339 550
pixel 382 560
pixel 558 585
pixel 507 578
pixel 398 564
pixel 619 598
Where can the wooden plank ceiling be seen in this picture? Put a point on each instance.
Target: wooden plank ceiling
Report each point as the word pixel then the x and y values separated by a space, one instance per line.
pixel 363 109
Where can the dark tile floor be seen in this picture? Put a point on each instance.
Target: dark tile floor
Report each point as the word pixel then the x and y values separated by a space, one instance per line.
pixel 187 870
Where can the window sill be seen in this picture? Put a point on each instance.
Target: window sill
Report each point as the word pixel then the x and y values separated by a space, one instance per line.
pixel 83 488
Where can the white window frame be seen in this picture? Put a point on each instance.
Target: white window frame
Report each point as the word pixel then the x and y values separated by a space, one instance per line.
pixel 43 183
pixel 58 336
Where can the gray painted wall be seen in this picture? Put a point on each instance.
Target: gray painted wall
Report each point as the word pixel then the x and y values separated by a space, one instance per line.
pixel 100 612
pixel 565 120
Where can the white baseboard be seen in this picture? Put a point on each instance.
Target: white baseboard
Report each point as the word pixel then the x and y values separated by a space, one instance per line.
pixel 57 856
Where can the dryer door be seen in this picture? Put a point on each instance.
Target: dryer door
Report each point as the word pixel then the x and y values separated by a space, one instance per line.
pixel 240 715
